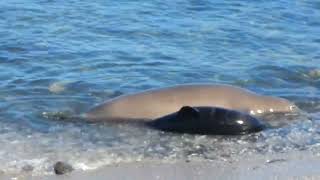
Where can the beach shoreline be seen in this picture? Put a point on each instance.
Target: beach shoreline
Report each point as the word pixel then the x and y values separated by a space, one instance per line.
pixel 293 165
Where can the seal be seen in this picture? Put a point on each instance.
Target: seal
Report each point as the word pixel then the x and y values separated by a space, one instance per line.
pixel 208 120
pixel 151 104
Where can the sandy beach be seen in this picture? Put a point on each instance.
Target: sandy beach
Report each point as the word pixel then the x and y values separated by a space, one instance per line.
pixel 294 165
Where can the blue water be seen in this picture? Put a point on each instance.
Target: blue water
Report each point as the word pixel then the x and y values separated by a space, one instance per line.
pixel 59 58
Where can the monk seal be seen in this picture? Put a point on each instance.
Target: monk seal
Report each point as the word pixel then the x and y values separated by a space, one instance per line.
pixel 208 120
pixel 155 103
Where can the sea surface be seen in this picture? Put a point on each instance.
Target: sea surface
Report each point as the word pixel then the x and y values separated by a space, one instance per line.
pixel 59 58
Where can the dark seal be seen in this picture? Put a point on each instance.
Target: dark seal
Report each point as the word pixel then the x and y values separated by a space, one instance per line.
pixel 208 120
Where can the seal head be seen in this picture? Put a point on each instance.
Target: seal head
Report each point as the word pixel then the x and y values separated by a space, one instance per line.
pixel 208 120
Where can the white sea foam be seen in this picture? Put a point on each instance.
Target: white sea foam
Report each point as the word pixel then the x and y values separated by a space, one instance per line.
pixel 89 146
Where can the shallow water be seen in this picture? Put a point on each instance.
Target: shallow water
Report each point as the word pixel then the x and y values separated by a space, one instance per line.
pixel 63 57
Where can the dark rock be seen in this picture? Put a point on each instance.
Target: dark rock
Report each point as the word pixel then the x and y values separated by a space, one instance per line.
pixel 62 168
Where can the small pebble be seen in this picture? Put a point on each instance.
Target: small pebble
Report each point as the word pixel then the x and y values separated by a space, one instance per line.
pixel 27 168
pixel 62 168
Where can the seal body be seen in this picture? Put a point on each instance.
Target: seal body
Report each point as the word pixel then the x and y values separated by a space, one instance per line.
pixel 208 120
pixel 154 103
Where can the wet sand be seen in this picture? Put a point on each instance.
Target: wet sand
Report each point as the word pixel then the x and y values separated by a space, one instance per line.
pixel 294 165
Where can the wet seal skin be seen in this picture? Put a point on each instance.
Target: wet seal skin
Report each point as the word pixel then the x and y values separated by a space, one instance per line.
pixel 208 120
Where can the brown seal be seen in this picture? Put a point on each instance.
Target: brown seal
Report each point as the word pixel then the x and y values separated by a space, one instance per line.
pixel 154 103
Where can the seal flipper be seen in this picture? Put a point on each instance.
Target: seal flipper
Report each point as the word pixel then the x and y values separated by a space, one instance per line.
pixel 187 112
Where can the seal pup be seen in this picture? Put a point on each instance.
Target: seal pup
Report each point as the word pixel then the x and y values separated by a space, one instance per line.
pixel 154 103
pixel 208 120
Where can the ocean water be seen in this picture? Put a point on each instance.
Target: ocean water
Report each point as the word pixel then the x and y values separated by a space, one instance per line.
pixel 60 58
